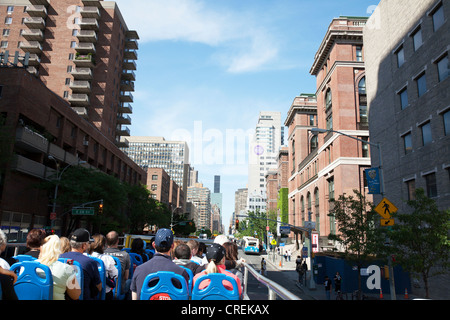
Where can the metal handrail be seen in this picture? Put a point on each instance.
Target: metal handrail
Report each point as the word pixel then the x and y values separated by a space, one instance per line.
pixel 274 288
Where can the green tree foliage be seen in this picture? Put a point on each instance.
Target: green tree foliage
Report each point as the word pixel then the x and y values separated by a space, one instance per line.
pixel 357 231
pixel 419 240
pixel 256 223
pixel 126 208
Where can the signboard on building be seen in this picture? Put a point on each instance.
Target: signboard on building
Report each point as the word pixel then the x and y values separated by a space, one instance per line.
pixel 373 180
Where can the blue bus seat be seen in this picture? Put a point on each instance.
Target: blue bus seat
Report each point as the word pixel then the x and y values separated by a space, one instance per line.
pixel 78 272
pixel 102 271
pixel 24 257
pixel 191 277
pixel 33 284
pixel 161 286
pixel 215 290
pixel 126 249
pixel 136 260
pixel 117 291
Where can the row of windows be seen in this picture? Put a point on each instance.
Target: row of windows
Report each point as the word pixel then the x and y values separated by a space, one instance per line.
pixel 426 132
pixel 437 15
pixel 430 184
pixel 442 65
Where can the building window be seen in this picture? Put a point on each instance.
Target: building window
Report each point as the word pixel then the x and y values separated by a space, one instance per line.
pixel 430 180
pixel 400 56
pixel 154 177
pixel 365 147
pixel 359 56
pixel 4 44
pixel 10 9
pixel 314 142
pixel 8 20
pixel 407 143
pixel 154 187
pixel 362 86
pixel 311 120
pixel 328 99
pixel 411 188
pixel 330 122
pixel 331 189
pixel 426 133
pixel 363 114
pixel 438 17
pixel 446 117
pixel 421 84
pixel 6 32
pixel 403 98
pixel 443 69
pixel 417 38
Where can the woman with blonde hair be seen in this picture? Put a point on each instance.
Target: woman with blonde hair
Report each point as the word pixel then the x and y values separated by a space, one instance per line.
pixel 215 254
pixel 64 278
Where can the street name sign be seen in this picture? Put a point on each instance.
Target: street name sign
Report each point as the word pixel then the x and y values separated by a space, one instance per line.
pixel 88 211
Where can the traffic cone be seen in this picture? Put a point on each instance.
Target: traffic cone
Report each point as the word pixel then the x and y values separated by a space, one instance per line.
pixel 406 294
pixel 381 294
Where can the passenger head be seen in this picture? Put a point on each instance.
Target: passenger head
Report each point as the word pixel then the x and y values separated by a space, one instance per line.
pixel 182 251
pixel 80 239
pixel 231 251
pixel 50 250
pixel 35 238
pixel 98 245
pixel 163 240
pixel 65 245
pixel 221 239
pixel 193 245
pixel 112 238
pixel 3 241
pixel 215 254
pixel 137 246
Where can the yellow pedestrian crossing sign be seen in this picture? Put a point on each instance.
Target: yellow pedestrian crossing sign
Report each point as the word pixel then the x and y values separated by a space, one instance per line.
pixel 385 208
pixel 273 242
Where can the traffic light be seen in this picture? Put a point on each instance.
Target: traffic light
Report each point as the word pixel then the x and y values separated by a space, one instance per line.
pixel 100 208
pixel 237 224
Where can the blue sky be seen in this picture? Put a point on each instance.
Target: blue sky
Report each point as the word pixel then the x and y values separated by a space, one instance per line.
pixel 207 67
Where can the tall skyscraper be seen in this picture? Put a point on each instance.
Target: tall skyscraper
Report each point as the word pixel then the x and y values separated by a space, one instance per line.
pixel 216 184
pixel 216 200
pixel 263 152
pixel 156 152
pixel 201 197
pixel 80 49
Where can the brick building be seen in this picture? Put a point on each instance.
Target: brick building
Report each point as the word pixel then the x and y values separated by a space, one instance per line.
pixel 45 130
pixel 80 49
pixel 325 166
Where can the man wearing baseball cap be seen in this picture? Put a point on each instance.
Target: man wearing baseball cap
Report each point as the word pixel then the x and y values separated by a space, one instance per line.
pixel 79 240
pixel 161 261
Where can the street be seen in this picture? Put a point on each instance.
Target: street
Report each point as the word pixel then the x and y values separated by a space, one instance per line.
pixel 287 278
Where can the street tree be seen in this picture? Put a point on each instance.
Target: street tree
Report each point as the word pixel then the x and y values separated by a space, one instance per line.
pixel 356 228
pixel 256 223
pixel 419 240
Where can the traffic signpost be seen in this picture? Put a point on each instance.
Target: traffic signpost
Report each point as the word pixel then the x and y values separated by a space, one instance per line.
pixel 385 209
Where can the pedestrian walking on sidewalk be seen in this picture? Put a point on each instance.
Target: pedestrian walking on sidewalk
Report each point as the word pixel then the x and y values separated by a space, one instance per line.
pixel 327 284
pixel 289 254
pixel 337 282
pixel 298 268
pixel 263 267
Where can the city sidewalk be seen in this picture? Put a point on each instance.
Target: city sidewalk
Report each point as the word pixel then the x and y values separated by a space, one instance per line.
pixel 317 293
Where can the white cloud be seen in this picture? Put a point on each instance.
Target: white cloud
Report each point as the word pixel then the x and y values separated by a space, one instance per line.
pixel 241 43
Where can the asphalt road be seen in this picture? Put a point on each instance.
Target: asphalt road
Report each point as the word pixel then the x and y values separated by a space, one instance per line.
pixel 287 279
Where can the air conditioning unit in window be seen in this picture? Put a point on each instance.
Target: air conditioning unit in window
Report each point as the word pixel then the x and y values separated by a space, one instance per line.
pixel 85 143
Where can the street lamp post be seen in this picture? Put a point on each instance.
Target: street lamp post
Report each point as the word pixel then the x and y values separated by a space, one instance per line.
pixel 316 131
pixel 171 218
pixel 58 180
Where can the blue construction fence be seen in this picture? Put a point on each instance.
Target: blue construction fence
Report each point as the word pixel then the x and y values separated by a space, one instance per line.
pixel 325 265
